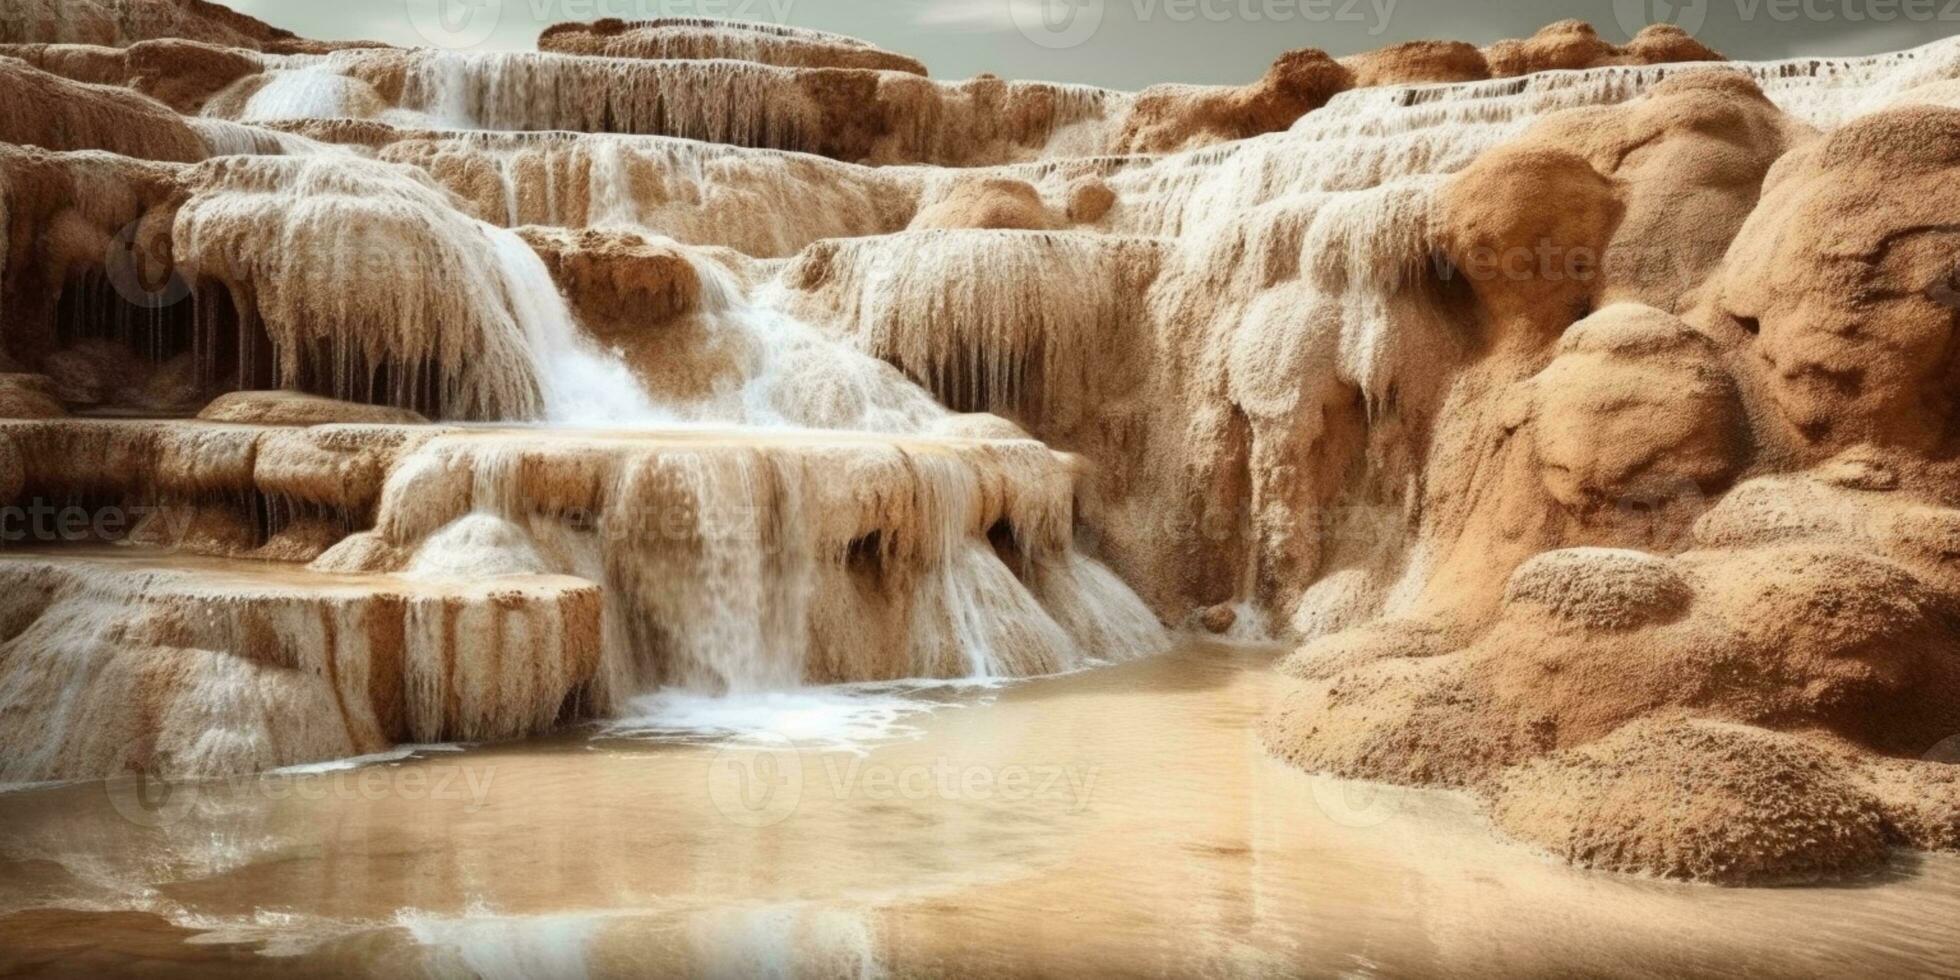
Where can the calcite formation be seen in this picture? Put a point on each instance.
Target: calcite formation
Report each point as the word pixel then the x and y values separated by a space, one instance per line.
pixel 1586 413
pixel 701 39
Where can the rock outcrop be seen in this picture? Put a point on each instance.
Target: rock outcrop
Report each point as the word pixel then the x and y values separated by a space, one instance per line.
pixel 1676 623
pixel 586 566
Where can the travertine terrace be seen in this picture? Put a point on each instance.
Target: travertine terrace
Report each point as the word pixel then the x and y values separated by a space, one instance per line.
pixel 1586 412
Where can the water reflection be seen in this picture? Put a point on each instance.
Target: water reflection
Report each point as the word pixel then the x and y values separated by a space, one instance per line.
pixel 1121 820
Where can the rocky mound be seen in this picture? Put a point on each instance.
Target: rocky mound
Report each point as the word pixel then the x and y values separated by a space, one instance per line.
pixel 79 116
pixel 1627 708
pixel 1697 800
pixel 1572 45
pixel 120 23
pixel 1175 117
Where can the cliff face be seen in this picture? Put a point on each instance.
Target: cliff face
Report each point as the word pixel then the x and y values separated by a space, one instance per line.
pixel 1588 417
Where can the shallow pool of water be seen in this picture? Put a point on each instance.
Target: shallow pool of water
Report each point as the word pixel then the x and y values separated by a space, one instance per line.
pixel 1119 821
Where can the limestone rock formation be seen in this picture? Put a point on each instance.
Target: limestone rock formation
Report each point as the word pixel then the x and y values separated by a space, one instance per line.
pixel 1703 495
pixel 1418 62
pixel 295 409
pixel 693 39
pixel 119 665
pixel 80 116
pixel 1173 117
pixel 1573 44
pixel 1176 117
pixel 120 23
pixel 1587 417
pixel 30 396
pixel 994 203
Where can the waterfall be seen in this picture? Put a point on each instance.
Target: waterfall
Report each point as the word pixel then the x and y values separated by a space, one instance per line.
pixel 749 562
pixel 579 383
pixel 226 138
pixel 306 88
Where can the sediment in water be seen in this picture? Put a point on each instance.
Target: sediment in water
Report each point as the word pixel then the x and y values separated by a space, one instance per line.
pixel 1588 415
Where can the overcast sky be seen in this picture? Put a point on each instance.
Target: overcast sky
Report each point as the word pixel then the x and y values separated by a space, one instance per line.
pixel 1132 43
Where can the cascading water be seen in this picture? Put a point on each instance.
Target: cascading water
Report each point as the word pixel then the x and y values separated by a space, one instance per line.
pixel 580 384
pixel 797 377
pixel 717 572
pixel 383 265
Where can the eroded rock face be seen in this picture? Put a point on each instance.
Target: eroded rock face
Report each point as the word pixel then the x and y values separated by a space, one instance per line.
pixel 1850 303
pixel 76 116
pixel 1588 420
pixel 119 23
pixel 1635 409
pixel 1759 602
pixel 1175 117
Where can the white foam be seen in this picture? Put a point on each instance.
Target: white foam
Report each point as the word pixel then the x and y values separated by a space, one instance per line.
pixel 496 947
pixel 314 90
pixel 849 717
pixel 581 383
pixel 400 753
